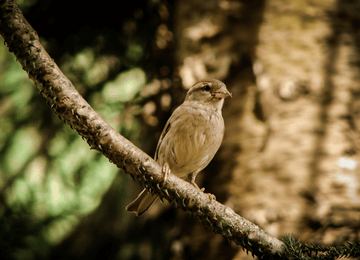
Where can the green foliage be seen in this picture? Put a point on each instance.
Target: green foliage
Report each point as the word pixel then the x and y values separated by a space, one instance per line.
pixel 49 178
pixel 125 86
pixel 297 250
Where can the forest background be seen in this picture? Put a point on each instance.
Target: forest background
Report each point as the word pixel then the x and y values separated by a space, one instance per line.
pixel 289 159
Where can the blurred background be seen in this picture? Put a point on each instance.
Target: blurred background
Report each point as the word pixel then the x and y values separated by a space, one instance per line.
pixel 289 159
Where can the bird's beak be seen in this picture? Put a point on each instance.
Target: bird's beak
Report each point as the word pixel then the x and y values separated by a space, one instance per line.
pixel 222 93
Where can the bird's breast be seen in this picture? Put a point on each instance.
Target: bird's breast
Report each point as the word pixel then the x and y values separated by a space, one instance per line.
pixel 192 141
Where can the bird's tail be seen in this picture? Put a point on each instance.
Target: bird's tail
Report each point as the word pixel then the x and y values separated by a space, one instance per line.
pixel 141 203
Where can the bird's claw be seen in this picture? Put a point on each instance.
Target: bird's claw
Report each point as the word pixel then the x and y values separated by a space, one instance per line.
pixel 165 170
pixel 211 196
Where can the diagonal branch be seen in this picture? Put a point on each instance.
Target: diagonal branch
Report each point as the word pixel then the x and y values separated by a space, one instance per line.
pixel 70 106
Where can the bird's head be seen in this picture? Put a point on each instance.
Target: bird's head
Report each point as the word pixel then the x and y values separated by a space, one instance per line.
pixel 209 91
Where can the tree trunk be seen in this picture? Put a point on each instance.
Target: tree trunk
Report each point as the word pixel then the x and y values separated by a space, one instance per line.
pixel 289 158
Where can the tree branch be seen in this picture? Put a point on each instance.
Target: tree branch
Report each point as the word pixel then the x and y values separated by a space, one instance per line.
pixel 70 106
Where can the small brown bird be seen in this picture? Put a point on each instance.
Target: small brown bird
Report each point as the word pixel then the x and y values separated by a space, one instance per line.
pixel 191 137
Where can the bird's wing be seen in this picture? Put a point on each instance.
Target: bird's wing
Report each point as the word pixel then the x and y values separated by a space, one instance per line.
pixel 163 134
pixel 180 113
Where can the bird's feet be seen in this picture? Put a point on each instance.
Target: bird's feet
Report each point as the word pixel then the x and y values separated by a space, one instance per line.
pixel 211 196
pixel 165 170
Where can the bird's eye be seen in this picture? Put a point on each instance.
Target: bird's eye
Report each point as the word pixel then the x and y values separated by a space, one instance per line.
pixel 206 88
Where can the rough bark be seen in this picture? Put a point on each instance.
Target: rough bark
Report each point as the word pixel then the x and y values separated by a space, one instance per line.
pixel 307 61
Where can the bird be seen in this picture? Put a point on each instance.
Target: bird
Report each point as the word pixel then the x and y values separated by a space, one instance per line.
pixel 191 137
